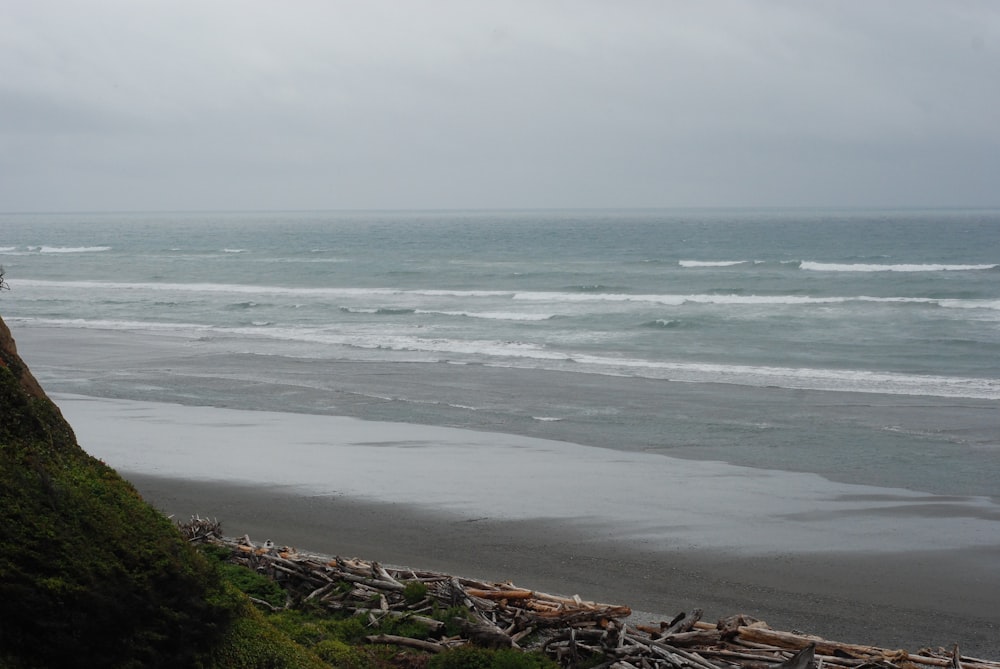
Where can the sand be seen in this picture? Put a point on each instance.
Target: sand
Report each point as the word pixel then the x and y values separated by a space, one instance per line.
pixel 862 564
pixel 904 600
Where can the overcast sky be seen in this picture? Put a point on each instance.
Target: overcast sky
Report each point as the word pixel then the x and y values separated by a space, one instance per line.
pixel 254 104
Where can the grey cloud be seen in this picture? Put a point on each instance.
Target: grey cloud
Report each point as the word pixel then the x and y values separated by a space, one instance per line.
pixel 120 105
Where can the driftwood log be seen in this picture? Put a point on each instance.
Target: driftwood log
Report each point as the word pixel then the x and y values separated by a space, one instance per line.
pixel 569 629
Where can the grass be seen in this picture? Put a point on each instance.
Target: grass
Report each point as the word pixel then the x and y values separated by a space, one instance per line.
pixel 91 575
pixel 339 638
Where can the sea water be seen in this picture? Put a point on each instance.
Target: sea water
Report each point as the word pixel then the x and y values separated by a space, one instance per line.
pixel 860 345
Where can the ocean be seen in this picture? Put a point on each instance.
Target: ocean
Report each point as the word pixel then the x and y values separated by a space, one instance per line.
pixel 863 346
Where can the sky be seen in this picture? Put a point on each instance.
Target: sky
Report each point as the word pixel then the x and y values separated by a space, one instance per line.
pixel 166 105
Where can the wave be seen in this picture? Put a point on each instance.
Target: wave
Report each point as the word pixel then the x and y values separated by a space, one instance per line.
pixel 234 250
pixel 847 380
pixel 70 249
pixel 664 323
pixel 385 311
pixel 591 288
pixel 556 298
pixel 522 354
pixel 530 355
pixel 517 354
pixel 478 348
pixel 492 315
pixel 259 290
pixel 864 267
pixel 7 249
pixel 711 263
pixel 107 324
pixel 489 315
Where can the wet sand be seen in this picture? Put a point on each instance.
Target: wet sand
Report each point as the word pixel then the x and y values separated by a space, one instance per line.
pixel 905 600
pixel 862 564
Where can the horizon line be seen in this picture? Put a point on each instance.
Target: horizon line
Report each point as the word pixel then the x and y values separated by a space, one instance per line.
pixel 401 210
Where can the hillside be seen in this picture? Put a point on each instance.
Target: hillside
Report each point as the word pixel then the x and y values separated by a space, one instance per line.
pixel 90 574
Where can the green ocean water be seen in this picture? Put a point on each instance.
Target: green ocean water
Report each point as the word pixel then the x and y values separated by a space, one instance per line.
pixel 863 345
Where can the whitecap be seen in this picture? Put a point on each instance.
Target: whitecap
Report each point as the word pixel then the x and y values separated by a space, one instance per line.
pixel 491 315
pixel 711 263
pixel 865 267
pixel 72 249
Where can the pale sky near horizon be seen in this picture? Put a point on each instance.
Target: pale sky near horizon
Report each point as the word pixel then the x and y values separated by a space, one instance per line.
pixel 185 104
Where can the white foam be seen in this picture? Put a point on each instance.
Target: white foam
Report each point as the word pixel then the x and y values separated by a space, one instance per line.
pixel 554 297
pixel 491 315
pixel 378 340
pixel 189 329
pixel 861 267
pixel 805 378
pixel 258 290
pixel 528 354
pixel 677 300
pixel 711 263
pixel 73 249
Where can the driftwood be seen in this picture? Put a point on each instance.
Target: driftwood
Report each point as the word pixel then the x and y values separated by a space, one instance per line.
pixel 568 629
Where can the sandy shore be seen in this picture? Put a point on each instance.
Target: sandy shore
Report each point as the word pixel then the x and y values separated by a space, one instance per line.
pixel 896 600
pixel 864 564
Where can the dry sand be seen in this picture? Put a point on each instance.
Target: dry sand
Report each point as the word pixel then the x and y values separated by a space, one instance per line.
pixel 893 600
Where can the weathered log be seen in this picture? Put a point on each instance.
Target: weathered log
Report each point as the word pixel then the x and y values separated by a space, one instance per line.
pixel 682 623
pixel 393 640
pixel 507 614
pixel 373 583
pixel 485 634
pixel 693 658
pixel 695 638
pixel 430 624
pixel 501 594
pixel 801 660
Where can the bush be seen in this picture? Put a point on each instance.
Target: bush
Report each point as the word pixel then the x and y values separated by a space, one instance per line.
pixel 339 654
pixel 247 581
pixel 91 575
pixel 472 657
pixel 414 591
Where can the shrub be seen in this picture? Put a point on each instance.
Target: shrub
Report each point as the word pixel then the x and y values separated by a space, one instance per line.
pixel 472 657
pixel 414 591
pixel 246 580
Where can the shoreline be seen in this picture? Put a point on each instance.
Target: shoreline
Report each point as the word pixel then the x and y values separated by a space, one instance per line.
pixel 898 600
pixel 879 566
pixel 636 497
pixel 934 445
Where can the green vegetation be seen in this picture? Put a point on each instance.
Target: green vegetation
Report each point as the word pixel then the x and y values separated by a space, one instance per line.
pixel 91 575
pixel 339 639
pixel 470 657
pixel 414 591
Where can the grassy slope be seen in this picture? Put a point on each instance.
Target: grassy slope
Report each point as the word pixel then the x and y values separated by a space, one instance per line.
pixel 91 575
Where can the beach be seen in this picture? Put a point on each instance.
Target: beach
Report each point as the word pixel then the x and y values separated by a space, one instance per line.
pixel 789 414
pixel 905 600
pixel 856 563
